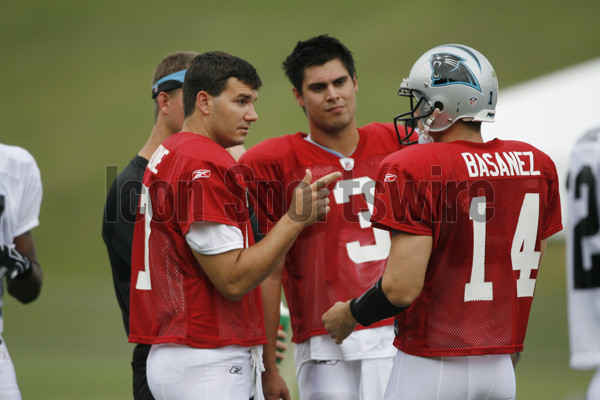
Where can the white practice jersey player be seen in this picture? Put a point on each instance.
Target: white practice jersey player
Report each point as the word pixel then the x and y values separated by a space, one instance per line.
pixel 20 196
pixel 20 199
pixel 583 251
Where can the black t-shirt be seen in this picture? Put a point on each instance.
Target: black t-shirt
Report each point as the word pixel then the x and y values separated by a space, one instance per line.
pixel 117 228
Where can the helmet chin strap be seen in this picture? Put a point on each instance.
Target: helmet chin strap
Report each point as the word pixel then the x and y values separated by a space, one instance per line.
pixel 424 136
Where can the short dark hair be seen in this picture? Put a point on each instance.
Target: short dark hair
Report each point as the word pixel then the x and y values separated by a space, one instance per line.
pixel 316 51
pixel 210 71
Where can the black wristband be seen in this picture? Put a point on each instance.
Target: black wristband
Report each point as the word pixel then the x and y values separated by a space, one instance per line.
pixel 373 306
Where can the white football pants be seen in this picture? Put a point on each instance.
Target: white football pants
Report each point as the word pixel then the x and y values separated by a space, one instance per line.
pixel 593 392
pixel 489 377
pixel 178 372
pixel 344 380
pixel 9 390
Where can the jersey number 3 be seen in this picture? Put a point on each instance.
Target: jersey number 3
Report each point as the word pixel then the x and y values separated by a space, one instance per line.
pixel 363 186
pixel 523 255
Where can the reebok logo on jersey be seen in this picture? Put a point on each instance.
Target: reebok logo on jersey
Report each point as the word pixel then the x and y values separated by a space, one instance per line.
pixel 237 370
pixel 201 173
pixel 389 178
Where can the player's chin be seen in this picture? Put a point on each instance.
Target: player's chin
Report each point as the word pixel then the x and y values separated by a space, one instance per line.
pixel 241 136
pixel 336 125
pixel 241 139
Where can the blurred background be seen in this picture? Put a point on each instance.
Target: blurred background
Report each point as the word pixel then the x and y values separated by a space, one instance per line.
pixel 76 79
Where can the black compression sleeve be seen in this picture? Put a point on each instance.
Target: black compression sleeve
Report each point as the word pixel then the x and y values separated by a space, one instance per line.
pixel 373 306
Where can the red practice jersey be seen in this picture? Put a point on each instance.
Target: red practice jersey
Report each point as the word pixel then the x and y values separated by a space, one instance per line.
pixel 189 178
pixel 487 206
pixel 337 258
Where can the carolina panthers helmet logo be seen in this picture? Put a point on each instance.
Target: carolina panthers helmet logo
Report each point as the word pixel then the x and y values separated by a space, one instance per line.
pixel 450 69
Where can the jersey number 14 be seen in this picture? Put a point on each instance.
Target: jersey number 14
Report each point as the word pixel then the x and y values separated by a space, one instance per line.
pixel 523 255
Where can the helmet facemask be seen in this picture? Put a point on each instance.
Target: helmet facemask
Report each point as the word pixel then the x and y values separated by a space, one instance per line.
pixel 420 108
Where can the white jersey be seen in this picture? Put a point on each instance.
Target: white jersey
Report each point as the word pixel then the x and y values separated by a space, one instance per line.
pixel 20 196
pixel 583 251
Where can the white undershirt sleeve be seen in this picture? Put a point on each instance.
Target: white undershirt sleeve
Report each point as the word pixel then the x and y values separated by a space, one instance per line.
pixel 210 238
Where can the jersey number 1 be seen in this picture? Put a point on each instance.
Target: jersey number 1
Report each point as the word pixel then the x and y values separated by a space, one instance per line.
pixel 143 278
pixel 523 255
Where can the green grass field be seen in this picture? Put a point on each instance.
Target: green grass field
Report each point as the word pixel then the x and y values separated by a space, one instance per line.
pixel 76 93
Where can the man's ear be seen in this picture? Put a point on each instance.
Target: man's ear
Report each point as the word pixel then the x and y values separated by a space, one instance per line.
pixel 163 102
pixel 204 102
pixel 298 97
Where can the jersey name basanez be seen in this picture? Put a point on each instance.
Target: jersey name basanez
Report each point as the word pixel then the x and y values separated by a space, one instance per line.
pixel 337 258
pixel 189 178
pixel 487 206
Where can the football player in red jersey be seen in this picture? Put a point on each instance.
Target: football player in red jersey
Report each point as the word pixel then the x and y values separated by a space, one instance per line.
pixel 332 260
pixel 123 196
pixel 469 222
pixel 195 272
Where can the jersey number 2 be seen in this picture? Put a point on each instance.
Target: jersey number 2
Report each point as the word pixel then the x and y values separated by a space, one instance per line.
pixel 586 232
pixel 523 255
